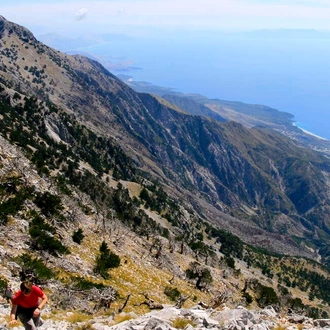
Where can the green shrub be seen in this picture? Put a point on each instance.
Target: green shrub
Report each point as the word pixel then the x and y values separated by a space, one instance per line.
pixel 48 203
pixel 43 236
pixel 106 260
pixel 230 262
pixel 267 296
pixel 296 304
pixel 78 236
pixel 313 312
pixel 248 298
pixel 231 245
pixel 324 315
pixel 202 275
pixel 82 284
pixel 172 293
pixel 39 268
pixel 14 204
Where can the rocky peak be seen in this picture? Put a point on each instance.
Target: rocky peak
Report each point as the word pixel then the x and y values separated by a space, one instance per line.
pixel 8 28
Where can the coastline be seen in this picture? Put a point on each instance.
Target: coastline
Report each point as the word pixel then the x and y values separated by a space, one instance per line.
pixel 310 133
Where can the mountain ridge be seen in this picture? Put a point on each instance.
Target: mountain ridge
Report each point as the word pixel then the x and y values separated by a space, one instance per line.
pixel 249 115
pixel 137 121
pixel 169 192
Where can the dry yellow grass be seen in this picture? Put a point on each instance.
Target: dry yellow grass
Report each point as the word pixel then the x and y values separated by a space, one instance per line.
pixel 87 326
pixel 136 279
pixel 76 317
pixel 119 318
pixel 279 327
pixel 181 323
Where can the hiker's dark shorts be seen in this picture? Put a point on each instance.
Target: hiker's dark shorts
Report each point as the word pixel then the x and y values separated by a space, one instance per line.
pixel 26 312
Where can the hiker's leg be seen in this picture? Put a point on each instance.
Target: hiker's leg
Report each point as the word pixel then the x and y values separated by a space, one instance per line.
pixel 36 317
pixel 30 325
pixel 27 322
pixel 37 321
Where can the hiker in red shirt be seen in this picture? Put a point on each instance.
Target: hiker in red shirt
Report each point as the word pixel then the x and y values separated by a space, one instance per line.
pixel 27 304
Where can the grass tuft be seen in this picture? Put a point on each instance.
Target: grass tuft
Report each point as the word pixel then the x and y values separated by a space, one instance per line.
pixel 279 327
pixel 181 323
pixel 119 318
pixel 78 317
pixel 87 326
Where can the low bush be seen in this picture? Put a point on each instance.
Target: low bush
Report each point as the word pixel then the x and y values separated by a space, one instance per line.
pixel 267 296
pixel 78 236
pixel 43 237
pixel 105 261
pixel 82 284
pixel 40 270
pixel 248 298
pixel 172 293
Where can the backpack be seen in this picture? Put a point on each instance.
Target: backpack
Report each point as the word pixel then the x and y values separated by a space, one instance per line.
pixel 8 293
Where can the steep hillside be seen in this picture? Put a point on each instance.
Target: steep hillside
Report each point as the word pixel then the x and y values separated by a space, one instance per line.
pixel 113 196
pixel 256 176
pixel 249 115
pixel 60 217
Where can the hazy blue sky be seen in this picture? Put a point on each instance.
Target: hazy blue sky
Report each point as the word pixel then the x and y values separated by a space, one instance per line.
pixel 132 16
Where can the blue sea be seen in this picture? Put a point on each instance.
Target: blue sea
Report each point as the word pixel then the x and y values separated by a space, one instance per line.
pixel 288 74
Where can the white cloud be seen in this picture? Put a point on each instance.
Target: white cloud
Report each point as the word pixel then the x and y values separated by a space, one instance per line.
pixel 81 14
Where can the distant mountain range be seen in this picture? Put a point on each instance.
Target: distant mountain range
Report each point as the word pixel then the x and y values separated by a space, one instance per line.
pixel 67 44
pixel 287 34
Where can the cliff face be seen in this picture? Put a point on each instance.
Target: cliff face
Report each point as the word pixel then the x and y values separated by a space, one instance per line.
pixel 254 176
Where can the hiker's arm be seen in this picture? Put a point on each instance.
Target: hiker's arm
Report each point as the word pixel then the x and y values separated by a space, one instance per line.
pixel 13 314
pixel 43 301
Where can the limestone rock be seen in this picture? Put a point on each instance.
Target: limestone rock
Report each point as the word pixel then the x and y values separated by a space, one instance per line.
pixel 322 323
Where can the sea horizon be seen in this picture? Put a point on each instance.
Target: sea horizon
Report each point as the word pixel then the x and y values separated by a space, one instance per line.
pixel 287 75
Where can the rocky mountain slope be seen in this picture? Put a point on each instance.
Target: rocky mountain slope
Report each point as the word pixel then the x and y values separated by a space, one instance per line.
pixel 254 175
pixel 249 115
pixel 171 318
pixel 105 187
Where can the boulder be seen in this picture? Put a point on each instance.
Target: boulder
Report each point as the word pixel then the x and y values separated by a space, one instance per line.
pixel 240 313
pixel 210 323
pixel 13 266
pixel 260 326
pixel 3 252
pixel 157 324
pixel 268 311
pixel 295 318
pixel 322 323
pixel 189 327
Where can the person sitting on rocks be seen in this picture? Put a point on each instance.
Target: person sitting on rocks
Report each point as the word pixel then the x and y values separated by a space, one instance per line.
pixel 27 304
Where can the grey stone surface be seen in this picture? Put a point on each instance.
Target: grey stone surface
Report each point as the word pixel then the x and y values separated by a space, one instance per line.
pixel 269 311
pixel 204 319
pixel 322 323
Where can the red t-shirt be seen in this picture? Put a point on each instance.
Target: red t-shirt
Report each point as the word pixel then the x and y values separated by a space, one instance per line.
pixel 29 301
